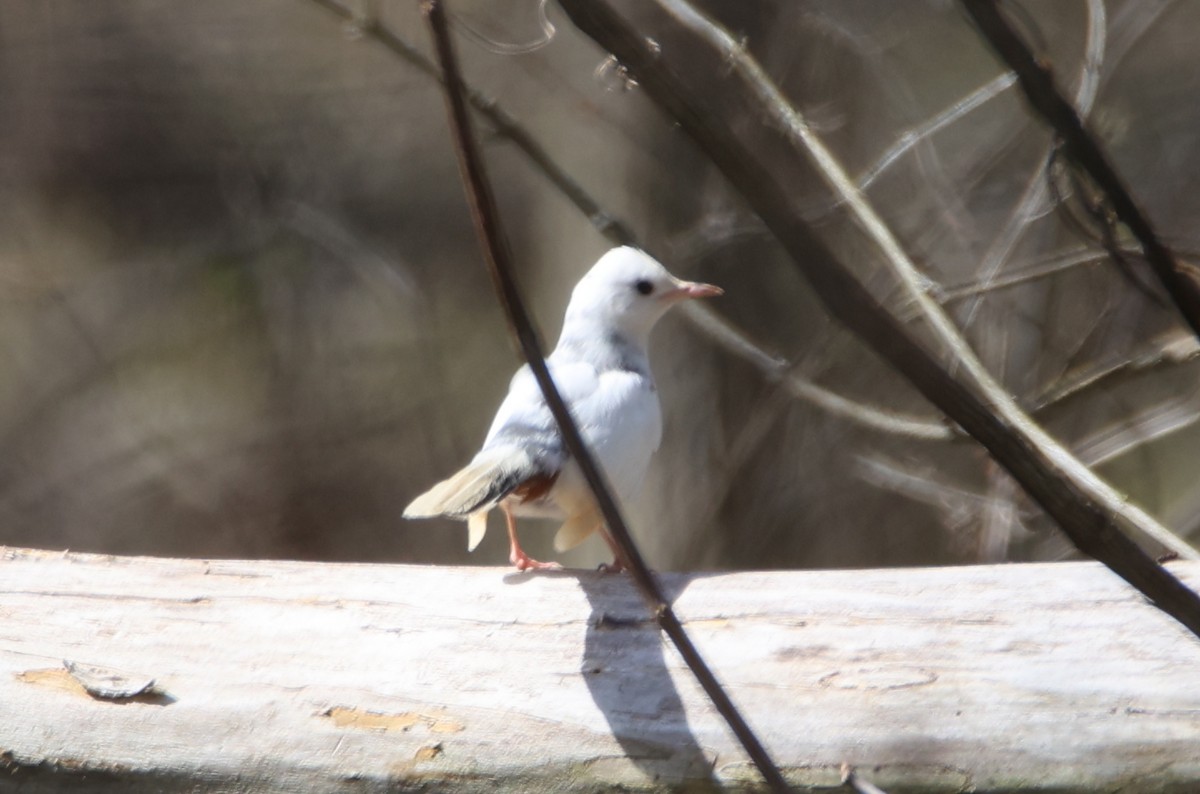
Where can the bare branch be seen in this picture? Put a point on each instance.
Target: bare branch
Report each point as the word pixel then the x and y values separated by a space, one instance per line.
pixel 911 137
pixel 1173 348
pixel 779 369
pixel 901 478
pixel 1058 263
pixel 1149 426
pixel 723 82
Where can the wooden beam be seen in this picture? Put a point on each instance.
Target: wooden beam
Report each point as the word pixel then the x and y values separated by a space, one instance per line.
pixel 284 676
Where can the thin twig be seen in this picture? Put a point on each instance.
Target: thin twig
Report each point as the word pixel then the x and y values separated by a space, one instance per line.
pixel 1171 349
pixel 1149 426
pixel 487 227
pixel 777 368
pixel 1043 268
pixel 914 135
pixel 1038 84
pixel 723 82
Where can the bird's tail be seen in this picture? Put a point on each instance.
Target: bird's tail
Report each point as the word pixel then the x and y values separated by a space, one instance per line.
pixel 473 491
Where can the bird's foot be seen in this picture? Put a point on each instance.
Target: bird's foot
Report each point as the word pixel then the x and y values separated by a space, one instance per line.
pixel 610 567
pixel 526 563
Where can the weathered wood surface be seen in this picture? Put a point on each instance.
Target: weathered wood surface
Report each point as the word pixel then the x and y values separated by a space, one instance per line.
pixel 306 677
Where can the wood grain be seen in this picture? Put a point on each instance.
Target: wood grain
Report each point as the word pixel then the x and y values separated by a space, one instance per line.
pixel 283 676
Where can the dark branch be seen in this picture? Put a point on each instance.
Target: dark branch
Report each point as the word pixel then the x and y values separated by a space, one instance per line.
pixel 496 252
pixel 691 69
pixel 1038 84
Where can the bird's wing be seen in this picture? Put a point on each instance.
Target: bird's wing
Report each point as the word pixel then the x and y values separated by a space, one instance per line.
pixel 524 419
pixel 523 447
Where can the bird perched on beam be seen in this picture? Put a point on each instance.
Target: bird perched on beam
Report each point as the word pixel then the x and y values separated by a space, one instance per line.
pixel 601 368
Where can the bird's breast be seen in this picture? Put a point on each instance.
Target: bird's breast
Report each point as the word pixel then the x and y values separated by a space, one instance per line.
pixel 621 421
pixel 626 431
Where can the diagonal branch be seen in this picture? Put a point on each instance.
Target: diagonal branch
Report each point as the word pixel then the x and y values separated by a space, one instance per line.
pixel 487 227
pixel 718 93
pixel 1038 84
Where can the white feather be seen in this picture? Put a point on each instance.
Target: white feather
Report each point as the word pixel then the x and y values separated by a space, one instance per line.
pixel 476 528
pixel 602 371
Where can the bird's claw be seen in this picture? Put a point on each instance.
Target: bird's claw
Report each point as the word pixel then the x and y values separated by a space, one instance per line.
pixel 610 567
pixel 526 563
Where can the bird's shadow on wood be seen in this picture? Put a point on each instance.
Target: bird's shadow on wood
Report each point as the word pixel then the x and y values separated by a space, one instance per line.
pixel 624 665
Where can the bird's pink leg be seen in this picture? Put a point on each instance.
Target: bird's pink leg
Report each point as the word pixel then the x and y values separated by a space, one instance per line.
pixel 616 566
pixel 517 555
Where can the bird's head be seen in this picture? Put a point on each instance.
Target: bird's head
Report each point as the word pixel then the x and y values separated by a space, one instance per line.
pixel 626 292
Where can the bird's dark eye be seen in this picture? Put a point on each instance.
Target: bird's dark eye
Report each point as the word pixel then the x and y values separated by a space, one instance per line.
pixel 644 286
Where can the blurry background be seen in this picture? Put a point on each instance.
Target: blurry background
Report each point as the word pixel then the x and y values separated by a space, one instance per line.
pixel 244 314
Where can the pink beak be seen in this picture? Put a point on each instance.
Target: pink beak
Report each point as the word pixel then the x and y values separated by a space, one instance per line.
pixel 685 290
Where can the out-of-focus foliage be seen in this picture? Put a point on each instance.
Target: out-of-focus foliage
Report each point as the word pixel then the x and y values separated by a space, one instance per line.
pixel 244 313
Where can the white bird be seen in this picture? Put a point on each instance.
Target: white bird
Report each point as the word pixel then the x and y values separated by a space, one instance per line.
pixel 602 370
